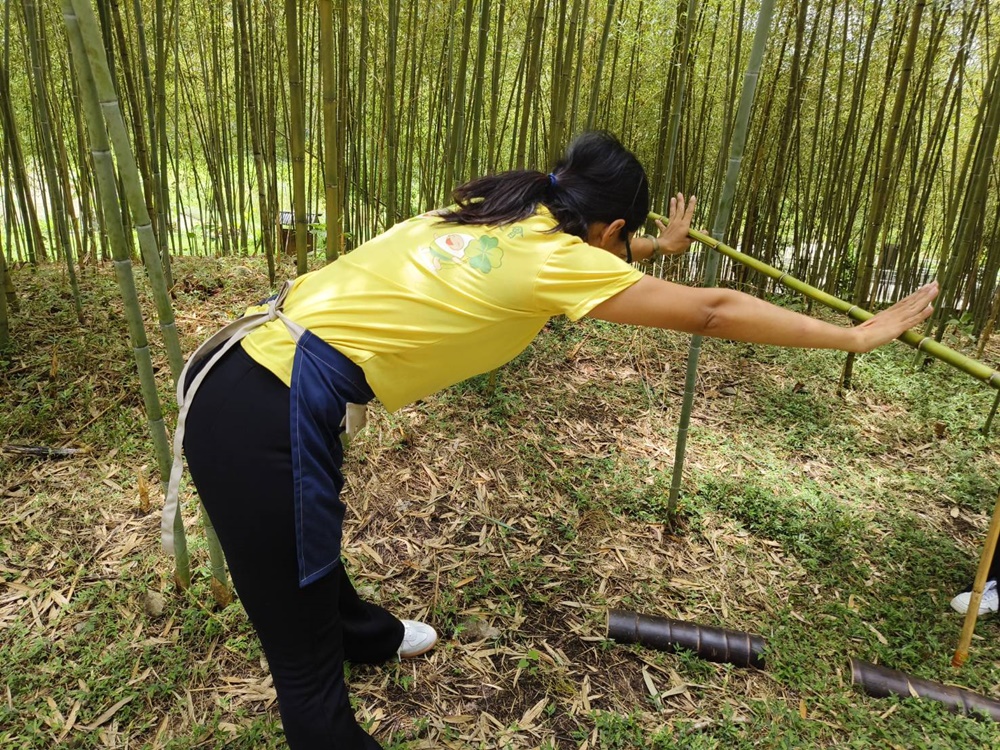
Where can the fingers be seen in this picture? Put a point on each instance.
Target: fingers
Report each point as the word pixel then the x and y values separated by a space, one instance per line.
pixel 916 302
pixel 681 208
pixel 689 213
pixel 923 295
pixel 904 315
pixel 674 237
pixel 917 305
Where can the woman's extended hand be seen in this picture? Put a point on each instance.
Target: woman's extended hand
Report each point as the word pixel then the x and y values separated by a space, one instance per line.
pixel 892 322
pixel 673 237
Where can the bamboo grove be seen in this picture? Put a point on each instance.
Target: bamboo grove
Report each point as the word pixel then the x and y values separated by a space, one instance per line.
pixel 869 160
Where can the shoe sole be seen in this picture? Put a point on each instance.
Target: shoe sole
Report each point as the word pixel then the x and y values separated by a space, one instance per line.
pixel 415 654
pixel 981 614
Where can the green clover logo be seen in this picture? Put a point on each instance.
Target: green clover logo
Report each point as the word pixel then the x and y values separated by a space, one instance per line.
pixel 488 256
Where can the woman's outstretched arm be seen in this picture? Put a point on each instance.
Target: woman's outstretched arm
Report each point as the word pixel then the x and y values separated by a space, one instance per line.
pixel 727 314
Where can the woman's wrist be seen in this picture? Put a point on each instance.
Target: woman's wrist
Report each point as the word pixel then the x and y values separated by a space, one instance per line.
pixel 654 251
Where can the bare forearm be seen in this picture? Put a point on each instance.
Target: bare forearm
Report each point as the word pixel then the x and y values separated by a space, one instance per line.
pixel 727 314
pixel 738 316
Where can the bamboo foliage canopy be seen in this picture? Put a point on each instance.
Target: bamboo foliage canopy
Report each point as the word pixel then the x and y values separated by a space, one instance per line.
pixel 369 113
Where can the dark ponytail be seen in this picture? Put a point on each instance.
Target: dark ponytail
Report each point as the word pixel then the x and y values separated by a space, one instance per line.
pixel 598 179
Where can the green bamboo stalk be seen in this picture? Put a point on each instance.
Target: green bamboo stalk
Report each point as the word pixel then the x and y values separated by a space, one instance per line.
pixel 7 290
pixel 48 148
pixel 391 127
pixel 150 116
pixel 4 321
pixel 679 91
pixel 993 413
pixel 629 103
pixel 250 89
pixel 160 129
pixel 99 91
pixel 561 80
pixel 479 80
pixel 413 55
pixel 534 42
pixel 129 172
pixel 360 145
pixel 605 114
pixel 925 344
pixel 967 233
pixel 493 142
pixel 240 76
pixel 595 88
pixel 331 154
pixel 297 134
pixel 721 221
pixel 85 187
pixel 990 324
pixel 132 101
pixel 863 291
pixel 105 173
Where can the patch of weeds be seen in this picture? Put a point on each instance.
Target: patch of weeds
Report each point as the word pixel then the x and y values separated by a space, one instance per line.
pixel 693 667
pixel 617 732
pixel 971 481
pixel 501 402
pixel 728 730
pixel 648 500
pixel 810 524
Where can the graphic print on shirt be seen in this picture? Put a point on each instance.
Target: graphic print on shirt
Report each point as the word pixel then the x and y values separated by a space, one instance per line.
pixel 447 250
pixel 488 255
pixel 455 248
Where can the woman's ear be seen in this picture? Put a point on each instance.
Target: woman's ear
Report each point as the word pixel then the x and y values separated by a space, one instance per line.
pixel 615 230
pixel 606 236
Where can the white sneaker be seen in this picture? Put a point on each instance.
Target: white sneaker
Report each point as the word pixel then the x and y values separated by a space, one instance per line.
pixel 989 603
pixel 418 638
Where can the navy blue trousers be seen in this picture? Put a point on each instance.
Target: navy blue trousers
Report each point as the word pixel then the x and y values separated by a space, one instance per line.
pixel 238 448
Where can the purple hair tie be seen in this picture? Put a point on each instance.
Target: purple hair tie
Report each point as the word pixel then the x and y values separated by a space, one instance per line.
pixel 552 179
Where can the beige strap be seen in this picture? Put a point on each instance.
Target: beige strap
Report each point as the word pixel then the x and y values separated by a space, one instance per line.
pixel 227 337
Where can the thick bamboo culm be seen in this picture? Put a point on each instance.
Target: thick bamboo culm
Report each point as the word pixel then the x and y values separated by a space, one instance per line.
pixel 881 682
pixel 982 573
pixel 665 634
pixel 926 344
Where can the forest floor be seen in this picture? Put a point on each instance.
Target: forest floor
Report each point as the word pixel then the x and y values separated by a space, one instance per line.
pixel 513 518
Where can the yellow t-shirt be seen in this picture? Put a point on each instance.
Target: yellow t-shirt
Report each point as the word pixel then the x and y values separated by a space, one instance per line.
pixel 428 304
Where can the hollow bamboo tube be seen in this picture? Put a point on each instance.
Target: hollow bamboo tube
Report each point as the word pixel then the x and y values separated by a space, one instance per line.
pixel 989 549
pixel 881 682
pixel 710 643
pixel 926 344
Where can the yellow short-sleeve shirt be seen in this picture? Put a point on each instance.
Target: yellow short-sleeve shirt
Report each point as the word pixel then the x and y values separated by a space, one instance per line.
pixel 428 304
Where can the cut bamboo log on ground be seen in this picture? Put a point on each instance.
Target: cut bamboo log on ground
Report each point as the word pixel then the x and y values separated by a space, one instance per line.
pixel 881 682
pixel 665 634
pixel 747 650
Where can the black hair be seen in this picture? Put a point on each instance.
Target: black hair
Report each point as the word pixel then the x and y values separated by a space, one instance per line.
pixel 598 179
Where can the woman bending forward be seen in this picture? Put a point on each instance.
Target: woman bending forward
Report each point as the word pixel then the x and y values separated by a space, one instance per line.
pixel 432 301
